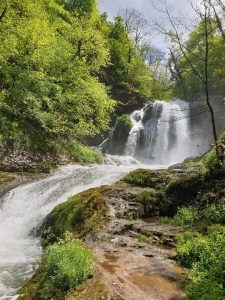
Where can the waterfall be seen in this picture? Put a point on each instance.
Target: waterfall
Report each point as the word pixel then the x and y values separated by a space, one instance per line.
pixel 161 134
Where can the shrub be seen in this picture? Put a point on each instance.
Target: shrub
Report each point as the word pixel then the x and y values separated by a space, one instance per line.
pixel 184 216
pixel 190 246
pixel 204 290
pixel 213 213
pixel 67 264
pixel 205 254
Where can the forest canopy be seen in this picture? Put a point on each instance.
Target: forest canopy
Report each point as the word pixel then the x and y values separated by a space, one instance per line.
pixel 52 53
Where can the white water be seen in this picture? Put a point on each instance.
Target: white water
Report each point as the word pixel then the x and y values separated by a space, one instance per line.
pixel 25 208
pixel 165 137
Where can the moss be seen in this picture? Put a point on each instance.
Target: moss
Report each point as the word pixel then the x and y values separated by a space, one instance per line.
pixel 148 178
pixel 120 134
pixel 81 214
pixel 142 238
pixel 6 177
pixel 84 154
pixel 205 163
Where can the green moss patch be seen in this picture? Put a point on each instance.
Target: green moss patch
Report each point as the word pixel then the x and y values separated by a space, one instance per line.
pixel 6 178
pixel 84 154
pixel 81 215
pixel 148 178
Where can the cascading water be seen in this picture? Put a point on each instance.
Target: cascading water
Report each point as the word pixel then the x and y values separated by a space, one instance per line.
pixel 24 209
pixel 165 136
pixel 161 134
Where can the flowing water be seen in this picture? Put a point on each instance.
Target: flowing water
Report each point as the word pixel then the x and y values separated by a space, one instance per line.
pixel 162 133
pixel 156 138
pixel 24 209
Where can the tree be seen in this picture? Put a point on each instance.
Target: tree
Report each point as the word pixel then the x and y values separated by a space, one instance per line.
pixel 135 24
pixel 50 96
pixel 217 17
pixel 202 73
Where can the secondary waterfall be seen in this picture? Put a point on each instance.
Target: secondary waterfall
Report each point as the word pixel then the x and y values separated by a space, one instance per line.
pixel 161 134
pixel 24 209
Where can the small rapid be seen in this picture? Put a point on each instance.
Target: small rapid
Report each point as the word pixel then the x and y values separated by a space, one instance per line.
pixel 24 209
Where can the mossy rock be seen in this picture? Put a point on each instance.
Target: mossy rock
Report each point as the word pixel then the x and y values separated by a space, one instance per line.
pixel 148 178
pixel 6 177
pixel 81 215
pixel 120 135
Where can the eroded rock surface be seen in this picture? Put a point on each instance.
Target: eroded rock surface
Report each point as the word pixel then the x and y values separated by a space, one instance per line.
pixel 135 256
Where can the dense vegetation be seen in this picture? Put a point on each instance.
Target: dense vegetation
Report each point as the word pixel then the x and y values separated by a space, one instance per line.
pixel 52 54
pixel 204 47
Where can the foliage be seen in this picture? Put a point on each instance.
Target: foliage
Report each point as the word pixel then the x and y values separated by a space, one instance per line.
pixel 148 200
pixel 51 56
pixel 49 95
pixel 206 256
pixel 214 213
pixel 184 216
pixel 67 264
pixel 190 245
pixel 85 154
pixel 195 46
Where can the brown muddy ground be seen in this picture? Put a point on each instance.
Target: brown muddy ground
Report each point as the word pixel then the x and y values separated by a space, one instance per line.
pixel 134 256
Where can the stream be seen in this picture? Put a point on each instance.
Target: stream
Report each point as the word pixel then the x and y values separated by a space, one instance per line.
pixel 154 139
pixel 25 208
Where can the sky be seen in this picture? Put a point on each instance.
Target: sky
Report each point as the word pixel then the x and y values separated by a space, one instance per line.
pixel 179 7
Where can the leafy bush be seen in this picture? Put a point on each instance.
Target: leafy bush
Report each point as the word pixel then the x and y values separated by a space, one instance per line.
pixel 67 264
pixel 205 255
pixel 214 214
pixel 190 246
pixel 184 216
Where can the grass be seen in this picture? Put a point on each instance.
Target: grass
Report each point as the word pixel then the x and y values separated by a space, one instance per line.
pixel 148 200
pixel 142 239
pixel 84 154
pixel 67 264
pixel 6 177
